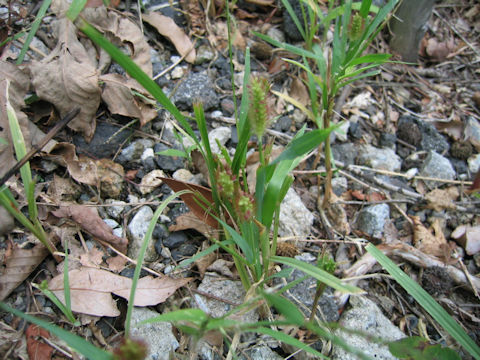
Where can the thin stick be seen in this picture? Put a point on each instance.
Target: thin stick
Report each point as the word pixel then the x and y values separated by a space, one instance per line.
pixel 58 126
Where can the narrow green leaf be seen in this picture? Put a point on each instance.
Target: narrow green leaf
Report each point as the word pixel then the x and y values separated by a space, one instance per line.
pixel 365 8
pixel 77 343
pixel 426 301
pixel 172 152
pixel 285 307
pixel 318 274
pixel 141 255
pixel 370 58
pixel 75 9
pixel 239 241
pixel 286 46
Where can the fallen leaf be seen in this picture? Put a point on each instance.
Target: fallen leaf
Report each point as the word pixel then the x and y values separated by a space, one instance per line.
pixel 427 242
pixel 88 218
pixel 36 348
pixel 299 92
pixel 441 199
pixel 18 264
pixel 92 258
pixel 468 237
pixel 117 93
pixel 439 51
pixel 205 261
pixel 191 221
pixel 91 290
pixel 194 199
pixel 454 128
pixel 167 27
pixel 374 196
pixel 116 263
pixel 67 78
pixel 63 189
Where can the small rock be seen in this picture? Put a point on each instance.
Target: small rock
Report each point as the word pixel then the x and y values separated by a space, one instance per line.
pixel 472 131
pixel 137 228
pixel 175 239
pixel 184 251
pixel 474 163
pixel 342 133
pixel 178 72
pixel 461 150
pixel 283 124
pixel 151 181
pixel 222 134
pixel 222 288
pixel 430 138
pixel 381 159
pixel 261 352
pixel 204 54
pixel 147 153
pixel 276 34
pixel 49 166
pixel 295 218
pixel 167 162
pixel 228 106
pixel 115 208
pixel 182 175
pixel 111 177
pixel 388 140
pixel 110 222
pixel 197 86
pixel 134 151
pixel 346 153
pixel 436 166
pixel 261 50
pixel 158 336
pixel 371 220
pixel 339 185
pixel 366 317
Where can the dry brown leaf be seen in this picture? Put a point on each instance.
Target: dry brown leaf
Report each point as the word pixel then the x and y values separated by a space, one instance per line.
pixel 36 348
pixel 439 51
pixel 454 128
pixel 117 94
pixel 91 290
pixel 440 199
pixel 427 242
pixel 205 261
pixel 90 221
pixel 92 258
pixel 63 189
pixel 116 263
pixel 299 91
pixel 17 266
pixel 191 221
pixel 67 78
pixel 374 196
pixel 167 27
pixel 193 201
pixel 103 173
pixel 468 237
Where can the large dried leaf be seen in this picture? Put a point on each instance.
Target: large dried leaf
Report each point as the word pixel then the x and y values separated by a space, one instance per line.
pixel 67 78
pixel 440 199
pixel 88 218
pixel 193 201
pixel 117 94
pixel 91 290
pixel 18 265
pixel 103 173
pixel 167 27
pixel 190 221
pixel 36 348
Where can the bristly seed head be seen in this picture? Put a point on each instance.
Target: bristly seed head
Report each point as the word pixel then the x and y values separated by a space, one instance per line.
pixel 258 111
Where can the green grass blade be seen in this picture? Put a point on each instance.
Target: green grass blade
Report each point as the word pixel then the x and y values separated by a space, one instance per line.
pixel 195 316
pixel 141 255
pixel 365 8
pixel 291 48
pixel 318 274
pixel 75 9
pixel 285 307
pixel 35 25
pixel 426 301
pixel 77 343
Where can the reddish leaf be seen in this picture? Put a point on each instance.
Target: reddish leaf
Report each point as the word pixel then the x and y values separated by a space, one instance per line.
pixel 194 201
pixel 36 349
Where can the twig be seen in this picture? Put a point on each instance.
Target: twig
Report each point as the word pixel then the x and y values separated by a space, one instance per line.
pixel 58 126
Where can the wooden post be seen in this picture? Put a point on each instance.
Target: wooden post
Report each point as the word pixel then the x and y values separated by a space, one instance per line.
pixel 408 27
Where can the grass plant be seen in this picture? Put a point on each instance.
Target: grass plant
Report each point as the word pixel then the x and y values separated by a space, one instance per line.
pixel 250 217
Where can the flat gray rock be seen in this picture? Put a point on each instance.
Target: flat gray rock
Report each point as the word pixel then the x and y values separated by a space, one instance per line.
pixel 437 166
pixel 295 218
pixel 371 220
pixel 137 228
pixel 379 158
pixel 365 316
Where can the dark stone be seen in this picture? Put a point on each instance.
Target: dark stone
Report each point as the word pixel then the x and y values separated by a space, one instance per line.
pixel 175 239
pixel 228 107
pixel 197 86
pixel 355 130
pixel 149 164
pixel 184 250
pixel 421 134
pixel 166 162
pixel 289 27
pixel 388 140
pixel 346 153
pixel 283 124
pixel 103 145
pixel 460 166
pixel 129 272
pixel 160 232
pixel 409 131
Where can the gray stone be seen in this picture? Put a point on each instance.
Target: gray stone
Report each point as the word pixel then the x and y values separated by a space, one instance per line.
pixel 382 159
pixel 134 151
pixel 472 131
pixel 226 289
pixel 175 239
pixel 115 209
pixel 365 316
pixel 261 352
pixel 295 218
pixel 197 86
pixel 167 162
pixel 204 54
pixel 339 185
pixel 137 228
pixel 222 134
pixel 372 219
pixel 345 153
pixel 111 223
pixel 158 336
pixel 436 166
pixel 474 163
pixel 429 137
